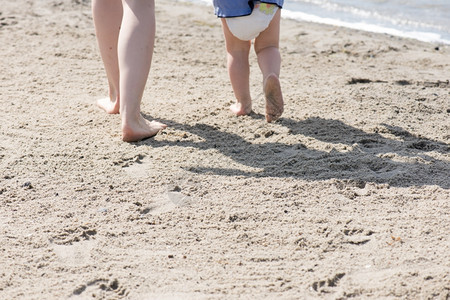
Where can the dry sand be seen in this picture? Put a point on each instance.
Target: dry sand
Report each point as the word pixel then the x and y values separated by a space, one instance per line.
pixel 347 196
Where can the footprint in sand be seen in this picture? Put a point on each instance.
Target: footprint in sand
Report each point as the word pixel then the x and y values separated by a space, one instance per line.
pixel 73 244
pixel 101 289
pixel 170 200
pixel 76 254
pixel 141 167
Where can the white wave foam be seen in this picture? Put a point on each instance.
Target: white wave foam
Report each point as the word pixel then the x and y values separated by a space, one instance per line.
pixel 424 36
pixel 418 35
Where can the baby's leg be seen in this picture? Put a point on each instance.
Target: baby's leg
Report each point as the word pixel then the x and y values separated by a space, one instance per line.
pixel 269 59
pixel 107 15
pixel 238 70
pixel 136 41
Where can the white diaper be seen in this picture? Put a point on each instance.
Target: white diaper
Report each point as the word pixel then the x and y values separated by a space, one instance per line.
pixel 247 28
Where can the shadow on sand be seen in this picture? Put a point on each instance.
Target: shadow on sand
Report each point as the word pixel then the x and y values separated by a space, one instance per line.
pixel 363 157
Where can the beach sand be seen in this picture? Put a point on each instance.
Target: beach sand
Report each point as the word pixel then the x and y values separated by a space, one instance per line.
pixel 347 196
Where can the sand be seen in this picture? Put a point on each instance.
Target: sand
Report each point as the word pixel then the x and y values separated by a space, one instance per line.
pixel 347 196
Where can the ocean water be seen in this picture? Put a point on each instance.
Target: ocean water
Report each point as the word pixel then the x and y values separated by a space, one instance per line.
pixel 425 20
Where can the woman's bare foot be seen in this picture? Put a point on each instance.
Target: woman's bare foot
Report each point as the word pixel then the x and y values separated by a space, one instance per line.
pixel 241 110
pixel 274 98
pixel 111 107
pixel 136 130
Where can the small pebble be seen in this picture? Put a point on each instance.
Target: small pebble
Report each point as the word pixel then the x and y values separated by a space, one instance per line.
pixel 27 185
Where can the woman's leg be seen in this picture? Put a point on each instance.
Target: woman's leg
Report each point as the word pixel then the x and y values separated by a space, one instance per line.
pixel 107 15
pixel 135 51
pixel 238 70
pixel 269 59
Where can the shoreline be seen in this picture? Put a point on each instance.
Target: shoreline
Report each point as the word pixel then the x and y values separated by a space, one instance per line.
pixel 422 36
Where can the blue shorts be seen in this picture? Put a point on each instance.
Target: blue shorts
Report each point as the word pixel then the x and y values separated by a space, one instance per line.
pixel 238 8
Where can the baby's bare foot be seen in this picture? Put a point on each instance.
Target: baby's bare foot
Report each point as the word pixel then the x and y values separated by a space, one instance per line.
pixel 241 110
pixel 136 130
pixel 274 98
pixel 111 107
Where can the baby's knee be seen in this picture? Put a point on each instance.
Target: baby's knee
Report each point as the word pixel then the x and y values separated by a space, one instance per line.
pixel 240 48
pixel 266 47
